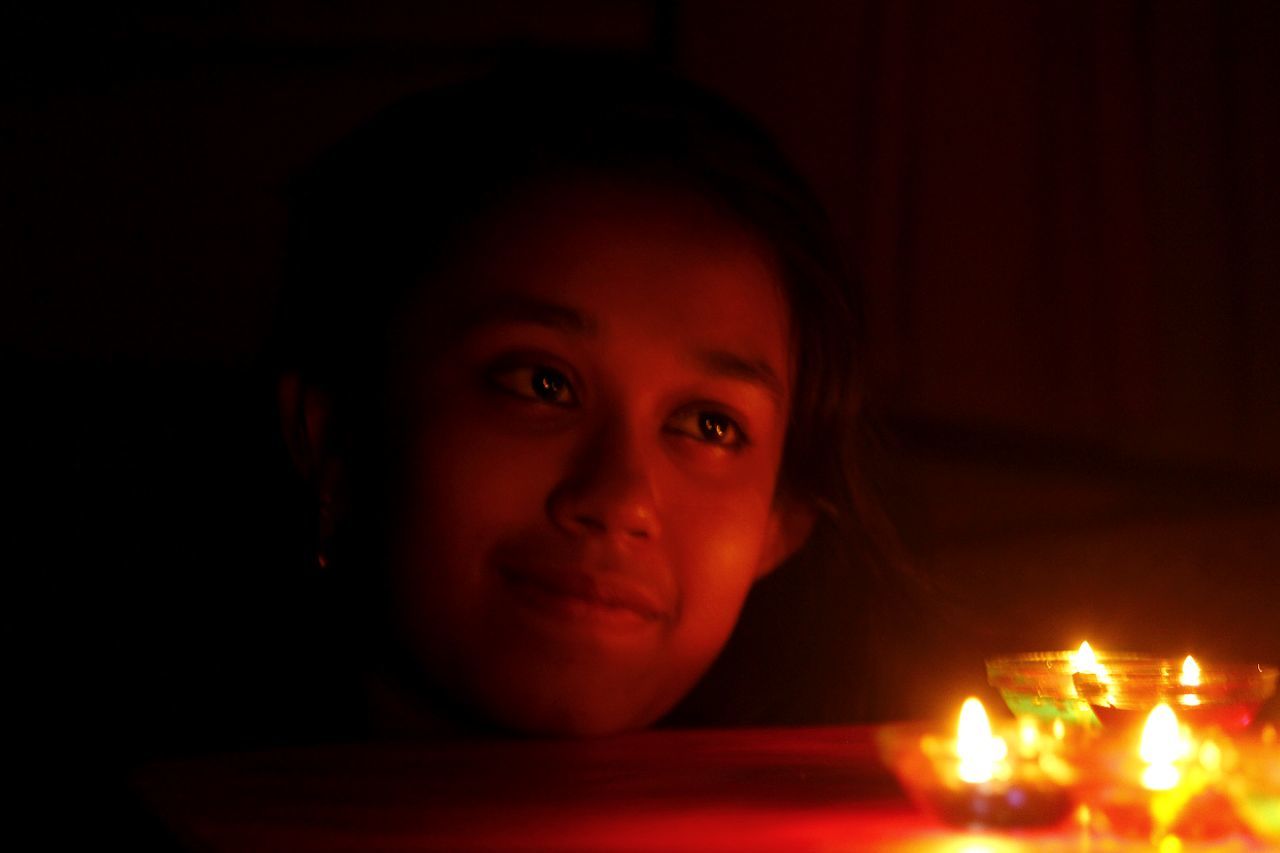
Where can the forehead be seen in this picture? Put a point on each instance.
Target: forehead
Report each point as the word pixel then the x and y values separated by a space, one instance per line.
pixel 663 264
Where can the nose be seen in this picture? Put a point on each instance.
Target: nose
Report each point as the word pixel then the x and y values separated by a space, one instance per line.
pixel 608 491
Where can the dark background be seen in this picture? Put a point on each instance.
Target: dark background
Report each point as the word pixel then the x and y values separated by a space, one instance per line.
pixel 1066 214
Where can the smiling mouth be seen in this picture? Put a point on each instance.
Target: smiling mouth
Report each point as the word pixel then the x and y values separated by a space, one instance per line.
pixel 582 595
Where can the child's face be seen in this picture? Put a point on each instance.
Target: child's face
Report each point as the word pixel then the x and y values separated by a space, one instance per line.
pixel 591 447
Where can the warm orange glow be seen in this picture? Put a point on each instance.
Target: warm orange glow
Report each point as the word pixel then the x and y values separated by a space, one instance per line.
pixel 978 750
pixel 1211 757
pixel 1028 734
pixel 1161 746
pixel 1190 673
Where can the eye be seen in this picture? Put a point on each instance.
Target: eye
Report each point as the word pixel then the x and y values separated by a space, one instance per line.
pixel 534 382
pixel 709 426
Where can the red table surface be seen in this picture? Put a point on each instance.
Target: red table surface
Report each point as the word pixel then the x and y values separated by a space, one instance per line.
pixel 738 789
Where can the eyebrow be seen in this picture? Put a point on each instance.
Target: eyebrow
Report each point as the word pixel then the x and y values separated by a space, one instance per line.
pixel 508 308
pixel 511 308
pixel 756 372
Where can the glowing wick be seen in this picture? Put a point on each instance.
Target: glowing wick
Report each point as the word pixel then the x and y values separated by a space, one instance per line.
pixel 1161 746
pixel 978 750
pixel 1190 673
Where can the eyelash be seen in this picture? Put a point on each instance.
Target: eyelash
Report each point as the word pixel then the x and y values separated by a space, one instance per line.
pixel 544 385
pixel 710 426
pixel 533 382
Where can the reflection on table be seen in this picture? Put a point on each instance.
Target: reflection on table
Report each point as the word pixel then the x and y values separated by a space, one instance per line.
pixel 743 789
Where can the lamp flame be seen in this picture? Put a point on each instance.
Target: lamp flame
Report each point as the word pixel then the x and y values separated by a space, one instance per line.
pixel 978 750
pixel 1160 747
pixel 1084 660
pixel 1190 673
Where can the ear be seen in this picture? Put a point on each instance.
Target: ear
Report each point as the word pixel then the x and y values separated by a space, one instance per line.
pixel 306 420
pixel 790 523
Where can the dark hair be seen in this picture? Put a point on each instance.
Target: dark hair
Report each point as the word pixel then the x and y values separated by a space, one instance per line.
pixel 380 210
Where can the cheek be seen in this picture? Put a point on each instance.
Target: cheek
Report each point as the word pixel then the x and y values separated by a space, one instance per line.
pixel 466 485
pixel 465 490
pixel 717 551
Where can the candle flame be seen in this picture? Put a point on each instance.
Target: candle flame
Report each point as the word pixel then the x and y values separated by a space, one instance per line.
pixel 1160 735
pixel 1160 747
pixel 1190 673
pixel 978 750
pixel 1084 660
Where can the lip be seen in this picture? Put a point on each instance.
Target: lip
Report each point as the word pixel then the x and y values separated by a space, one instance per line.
pixel 576 593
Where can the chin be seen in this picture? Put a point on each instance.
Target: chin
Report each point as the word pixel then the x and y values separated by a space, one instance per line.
pixel 568 710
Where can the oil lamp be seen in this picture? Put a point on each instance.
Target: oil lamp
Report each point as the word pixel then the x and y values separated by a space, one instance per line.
pixel 1227 696
pixel 1170 783
pixel 1043 684
pixel 1017 777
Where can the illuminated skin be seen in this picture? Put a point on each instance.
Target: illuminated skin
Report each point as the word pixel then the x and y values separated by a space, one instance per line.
pixel 590 456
